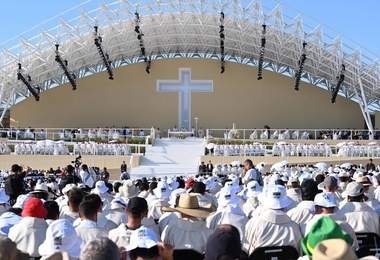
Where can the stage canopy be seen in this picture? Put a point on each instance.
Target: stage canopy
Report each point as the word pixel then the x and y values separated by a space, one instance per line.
pixel 187 29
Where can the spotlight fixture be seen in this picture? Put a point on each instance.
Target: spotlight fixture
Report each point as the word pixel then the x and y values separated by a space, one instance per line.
pixel 301 63
pixel 63 64
pixel 27 83
pixel 141 42
pixel 105 57
pixel 222 38
pixel 262 52
pixel 340 81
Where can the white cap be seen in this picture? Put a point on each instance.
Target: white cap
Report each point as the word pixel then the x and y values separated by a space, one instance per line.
pixel 100 187
pixel 325 199
pixel 142 237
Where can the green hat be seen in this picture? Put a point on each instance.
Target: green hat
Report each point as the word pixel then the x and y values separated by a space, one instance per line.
pixel 324 228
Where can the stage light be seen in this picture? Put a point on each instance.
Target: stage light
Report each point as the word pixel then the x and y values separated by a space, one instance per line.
pixel 35 93
pixel 222 38
pixel 301 64
pixel 262 52
pixel 340 82
pixel 63 65
pixel 141 42
pixel 104 56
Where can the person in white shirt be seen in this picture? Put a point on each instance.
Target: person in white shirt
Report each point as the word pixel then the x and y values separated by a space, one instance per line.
pixel 304 211
pixel 141 134
pixel 188 232
pixel 228 212
pixel 30 232
pixel 325 207
pixel 355 212
pixel 272 227
pixel 88 229
pixel 250 173
pixel 162 194
pixel 136 210
pixel 86 176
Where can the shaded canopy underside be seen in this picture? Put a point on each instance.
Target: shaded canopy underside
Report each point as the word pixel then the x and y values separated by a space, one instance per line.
pixel 188 29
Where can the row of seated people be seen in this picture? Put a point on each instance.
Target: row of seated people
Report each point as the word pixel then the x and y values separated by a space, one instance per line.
pixel 87 148
pixel 355 150
pixel 299 209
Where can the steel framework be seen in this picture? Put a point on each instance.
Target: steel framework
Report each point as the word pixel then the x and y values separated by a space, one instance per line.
pixel 190 29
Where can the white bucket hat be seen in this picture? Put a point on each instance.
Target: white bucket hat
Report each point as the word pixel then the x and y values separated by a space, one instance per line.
pixel 274 197
pixel 4 198
pixel 162 190
pixel 128 190
pixel 100 187
pixel 227 195
pixel 142 237
pixel 61 237
pixel 253 188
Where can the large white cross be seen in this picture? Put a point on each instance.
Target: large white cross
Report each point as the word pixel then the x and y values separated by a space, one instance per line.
pixel 184 86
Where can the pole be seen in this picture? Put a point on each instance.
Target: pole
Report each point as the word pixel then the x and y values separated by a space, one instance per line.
pixel 196 126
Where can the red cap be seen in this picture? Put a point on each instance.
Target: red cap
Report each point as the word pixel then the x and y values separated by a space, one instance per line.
pixel 189 183
pixel 34 207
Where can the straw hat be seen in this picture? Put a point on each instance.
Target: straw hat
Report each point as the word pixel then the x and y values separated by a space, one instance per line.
pixel 336 249
pixel 188 204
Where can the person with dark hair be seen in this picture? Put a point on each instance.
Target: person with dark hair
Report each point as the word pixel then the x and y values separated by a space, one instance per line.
pixel 88 228
pixel 14 184
pixel 52 211
pixel 370 166
pixel 75 197
pixel 143 190
pixel 204 199
pixel 103 222
pixel 116 187
pixel 224 243
pixel 151 196
pixel 86 177
pixel 303 212
pixel 70 177
pixel 251 174
pixel 136 210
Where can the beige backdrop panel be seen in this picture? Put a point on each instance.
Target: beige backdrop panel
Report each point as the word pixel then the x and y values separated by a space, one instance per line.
pixel 132 100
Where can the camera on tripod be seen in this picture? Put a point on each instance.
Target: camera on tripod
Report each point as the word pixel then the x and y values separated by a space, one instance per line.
pixel 78 161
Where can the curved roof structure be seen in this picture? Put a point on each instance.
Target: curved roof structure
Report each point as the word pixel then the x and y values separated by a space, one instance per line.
pixel 181 28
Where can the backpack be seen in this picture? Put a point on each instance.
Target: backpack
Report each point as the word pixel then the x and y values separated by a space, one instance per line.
pixel 13 187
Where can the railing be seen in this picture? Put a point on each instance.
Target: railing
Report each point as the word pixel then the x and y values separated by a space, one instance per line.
pixel 72 135
pixel 293 134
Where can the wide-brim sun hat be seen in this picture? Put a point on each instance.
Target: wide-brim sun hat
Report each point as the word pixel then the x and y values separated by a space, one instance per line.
pixel 188 205
pixel 253 188
pixel 227 195
pixel 162 190
pixel 61 236
pixel 100 187
pixel 173 196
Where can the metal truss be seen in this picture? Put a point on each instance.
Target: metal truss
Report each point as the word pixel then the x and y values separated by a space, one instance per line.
pixel 189 29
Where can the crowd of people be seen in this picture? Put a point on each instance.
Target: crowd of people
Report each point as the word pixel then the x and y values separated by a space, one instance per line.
pixel 212 215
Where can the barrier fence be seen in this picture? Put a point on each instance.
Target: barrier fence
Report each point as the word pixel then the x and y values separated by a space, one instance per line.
pixel 292 134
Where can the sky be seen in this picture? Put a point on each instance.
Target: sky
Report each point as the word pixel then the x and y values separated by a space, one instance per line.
pixel 357 20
